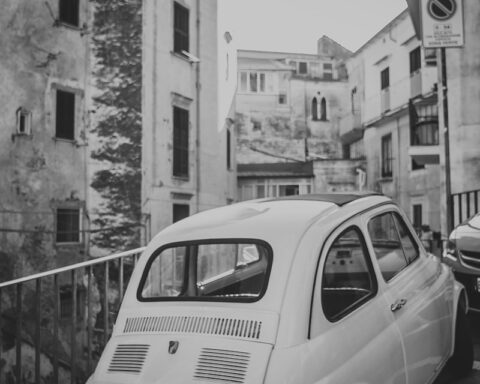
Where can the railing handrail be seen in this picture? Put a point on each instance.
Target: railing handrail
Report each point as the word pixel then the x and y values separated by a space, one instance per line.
pixel 465 192
pixel 72 267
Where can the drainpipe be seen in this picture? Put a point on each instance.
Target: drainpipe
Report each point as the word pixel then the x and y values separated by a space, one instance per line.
pixel 197 128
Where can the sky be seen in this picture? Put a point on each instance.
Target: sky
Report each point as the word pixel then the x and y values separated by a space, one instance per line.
pixel 296 25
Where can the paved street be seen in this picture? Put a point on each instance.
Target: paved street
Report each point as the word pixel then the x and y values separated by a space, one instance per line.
pixel 474 377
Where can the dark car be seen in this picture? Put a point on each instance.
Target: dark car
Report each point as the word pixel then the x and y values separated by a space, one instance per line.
pixel 463 255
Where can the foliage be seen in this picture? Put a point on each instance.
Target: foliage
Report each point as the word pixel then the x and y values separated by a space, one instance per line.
pixel 117 48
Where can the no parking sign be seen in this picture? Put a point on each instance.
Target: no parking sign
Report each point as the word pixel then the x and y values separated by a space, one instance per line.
pixel 442 23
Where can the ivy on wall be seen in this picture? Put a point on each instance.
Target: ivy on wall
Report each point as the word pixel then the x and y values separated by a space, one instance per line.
pixel 117 49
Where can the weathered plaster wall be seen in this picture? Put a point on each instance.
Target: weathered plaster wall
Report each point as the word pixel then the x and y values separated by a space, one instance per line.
pixel 169 80
pixel 336 175
pixel 38 171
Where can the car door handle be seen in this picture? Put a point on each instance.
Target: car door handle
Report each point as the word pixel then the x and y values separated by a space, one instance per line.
pixel 398 304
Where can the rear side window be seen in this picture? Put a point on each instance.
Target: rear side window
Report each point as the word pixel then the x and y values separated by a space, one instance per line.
pixel 410 248
pixel 348 279
pixel 387 246
pixel 393 243
pixel 217 270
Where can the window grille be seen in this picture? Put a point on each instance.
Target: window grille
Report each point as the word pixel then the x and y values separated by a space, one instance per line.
pixel 68 225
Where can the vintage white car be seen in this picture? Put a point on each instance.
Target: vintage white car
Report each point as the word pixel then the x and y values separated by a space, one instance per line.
pixel 332 288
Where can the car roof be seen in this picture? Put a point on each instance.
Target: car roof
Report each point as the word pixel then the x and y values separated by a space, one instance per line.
pixel 337 198
pixel 274 217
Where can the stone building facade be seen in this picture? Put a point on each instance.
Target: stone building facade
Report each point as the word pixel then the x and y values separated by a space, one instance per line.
pixel 188 157
pixel 44 136
pixel 288 112
pixel 394 113
pixel 286 99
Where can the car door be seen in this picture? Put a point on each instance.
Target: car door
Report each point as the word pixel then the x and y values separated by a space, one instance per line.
pixel 353 338
pixel 415 297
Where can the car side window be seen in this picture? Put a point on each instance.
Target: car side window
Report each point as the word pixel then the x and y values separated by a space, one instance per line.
pixel 410 248
pixel 348 278
pixel 387 245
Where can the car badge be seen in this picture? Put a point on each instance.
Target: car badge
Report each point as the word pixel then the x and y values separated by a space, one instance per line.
pixel 172 347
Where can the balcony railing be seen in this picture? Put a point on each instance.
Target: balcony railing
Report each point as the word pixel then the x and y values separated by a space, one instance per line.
pixel 54 325
pixel 464 205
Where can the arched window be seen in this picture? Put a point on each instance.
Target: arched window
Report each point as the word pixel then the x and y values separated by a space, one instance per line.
pixel 323 109
pixel 314 109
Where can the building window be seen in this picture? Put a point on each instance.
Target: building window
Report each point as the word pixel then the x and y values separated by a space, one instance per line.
pixel 282 98
pixel 346 151
pixel 229 146
pixel 243 81
pixel 431 57
pixel 387 156
pixel 327 71
pixel 353 96
pixel 24 122
pixel 385 78
pixel 181 29
pixel 68 225
pixel 417 216
pixel 288 190
pixel 416 165
pixel 180 211
pixel 68 12
pixel 323 109
pixel 257 125
pixel 415 60
pixel 314 109
pixel 65 115
pixel 180 142
pixel 302 68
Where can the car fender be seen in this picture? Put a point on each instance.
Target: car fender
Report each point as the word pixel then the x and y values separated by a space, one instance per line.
pixel 460 301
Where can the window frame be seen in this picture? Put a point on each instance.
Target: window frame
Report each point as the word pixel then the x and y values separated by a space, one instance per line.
pixel 69 13
pixel 79 232
pixel 386 158
pixel 181 143
pixel 65 125
pixel 368 258
pixel 385 79
pixel 181 33
pixel 25 116
pixel 189 243
pixel 415 57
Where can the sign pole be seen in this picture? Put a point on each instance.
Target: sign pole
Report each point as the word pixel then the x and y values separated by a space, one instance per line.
pixel 448 188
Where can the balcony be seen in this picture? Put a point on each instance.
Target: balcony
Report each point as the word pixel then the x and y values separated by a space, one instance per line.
pixel 350 126
pixel 385 100
pixel 424 139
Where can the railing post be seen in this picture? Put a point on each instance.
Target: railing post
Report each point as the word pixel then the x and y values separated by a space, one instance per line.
pixel 56 311
pixel 89 320
pixel 105 306
pixel 18 336
pixel 1 337
pixel 73 339
pixel 38 319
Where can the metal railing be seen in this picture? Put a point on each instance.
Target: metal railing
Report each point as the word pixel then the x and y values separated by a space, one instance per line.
pixel 54 325
pixel 464 205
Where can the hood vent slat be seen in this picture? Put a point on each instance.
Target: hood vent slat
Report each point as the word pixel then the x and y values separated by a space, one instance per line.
pixel 222 365
pixel 128 358
pixel 246 329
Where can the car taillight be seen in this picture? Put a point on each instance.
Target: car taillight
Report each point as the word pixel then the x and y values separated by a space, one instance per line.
pixel 450 249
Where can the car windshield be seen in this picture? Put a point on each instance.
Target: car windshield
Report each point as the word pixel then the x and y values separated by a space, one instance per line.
pixel 221 271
